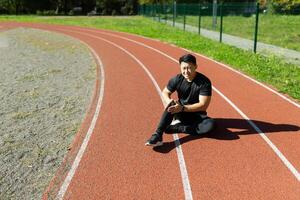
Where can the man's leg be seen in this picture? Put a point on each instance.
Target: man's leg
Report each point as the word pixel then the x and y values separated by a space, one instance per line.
pixel 205 125
pixel 192 124
pixel 165 121
pixel 186 124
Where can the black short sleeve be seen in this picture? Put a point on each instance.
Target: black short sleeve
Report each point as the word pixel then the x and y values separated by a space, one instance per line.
pixel 172 84
pixel 206 89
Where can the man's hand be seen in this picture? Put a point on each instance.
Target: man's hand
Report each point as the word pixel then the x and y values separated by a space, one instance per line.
pixel 171 102
pixel 176 108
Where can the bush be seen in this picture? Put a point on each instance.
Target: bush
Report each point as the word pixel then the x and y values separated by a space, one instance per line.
pixel 77 11
pixel 46 12
pixel 127 9
pixel 104 12
pixel 114 12
pixel 286 6
pixel 71 12
pixel 3 11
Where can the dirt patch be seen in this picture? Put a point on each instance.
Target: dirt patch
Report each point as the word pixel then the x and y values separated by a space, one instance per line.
pixel 46 85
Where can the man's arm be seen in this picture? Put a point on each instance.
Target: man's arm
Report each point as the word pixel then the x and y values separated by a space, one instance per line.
pixel 201 106
pixel 166 94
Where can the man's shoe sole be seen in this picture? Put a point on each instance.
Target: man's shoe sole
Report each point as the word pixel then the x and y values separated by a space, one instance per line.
pixel 154 145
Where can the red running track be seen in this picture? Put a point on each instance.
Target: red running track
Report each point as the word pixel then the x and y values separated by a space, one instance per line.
pixel 253 153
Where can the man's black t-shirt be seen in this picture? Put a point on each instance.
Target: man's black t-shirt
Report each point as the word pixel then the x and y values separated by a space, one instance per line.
pixel 188 92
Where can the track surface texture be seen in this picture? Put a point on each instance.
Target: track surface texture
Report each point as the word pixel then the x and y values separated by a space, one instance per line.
pixel 254 153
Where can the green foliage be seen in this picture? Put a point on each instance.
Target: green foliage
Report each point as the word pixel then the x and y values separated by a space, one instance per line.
pixel 154 1
pixel 12 6
pixel 116 7
pixel 23 6
pixel 285 6
pixel 279 30
pixel 271 70
pixel 46 12
pixel 71 7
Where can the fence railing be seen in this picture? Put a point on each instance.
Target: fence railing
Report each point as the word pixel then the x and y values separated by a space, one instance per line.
pixel 237 19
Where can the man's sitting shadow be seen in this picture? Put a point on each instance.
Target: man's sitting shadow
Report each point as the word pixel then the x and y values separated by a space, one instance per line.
pixel 222 132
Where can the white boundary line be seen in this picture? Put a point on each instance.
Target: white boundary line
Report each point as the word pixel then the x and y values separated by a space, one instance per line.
pixel 183 170
pixel 255 81
pixel 230 68
pixel 261 133
pixel 83 146
pixel 186 184
pixel 221 64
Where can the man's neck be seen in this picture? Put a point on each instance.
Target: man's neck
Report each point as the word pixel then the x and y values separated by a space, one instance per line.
pixel 192 78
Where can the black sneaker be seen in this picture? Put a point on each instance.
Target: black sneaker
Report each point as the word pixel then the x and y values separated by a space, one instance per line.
pixel 155 140
pixel 177 128
pixel 180 128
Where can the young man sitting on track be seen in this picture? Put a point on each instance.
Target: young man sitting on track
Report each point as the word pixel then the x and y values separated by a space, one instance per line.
pixel 189 111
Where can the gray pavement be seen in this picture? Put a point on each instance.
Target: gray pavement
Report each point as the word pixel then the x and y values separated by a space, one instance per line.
pixel 3 41
pixel 289 55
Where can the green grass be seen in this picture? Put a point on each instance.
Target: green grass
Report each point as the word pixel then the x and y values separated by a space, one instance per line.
pixel 279 30
pixel 272 70
pixel 21 115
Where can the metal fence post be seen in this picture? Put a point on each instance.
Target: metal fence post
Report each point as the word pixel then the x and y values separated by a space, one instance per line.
pixel 256 27
pixel 184 9
pixel 174 12
pixel 152 10
pixel 221 23
pixel 166 12
pixel 159 9
pixel 215 14
pixel 155 11
pixel 141 10
pixel 199 19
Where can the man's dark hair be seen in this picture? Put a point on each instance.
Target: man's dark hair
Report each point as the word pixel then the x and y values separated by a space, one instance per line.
pixel 188 58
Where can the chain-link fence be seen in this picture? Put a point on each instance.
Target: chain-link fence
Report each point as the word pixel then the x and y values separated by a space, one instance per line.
pixel 241 23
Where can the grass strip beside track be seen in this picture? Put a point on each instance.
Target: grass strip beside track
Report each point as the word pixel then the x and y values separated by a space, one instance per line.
pixel 272 70
pixel 279 30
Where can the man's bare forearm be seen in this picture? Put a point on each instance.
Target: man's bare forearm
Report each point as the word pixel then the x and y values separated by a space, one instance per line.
pixel 166 96
pixel 197 107
pixel 202 105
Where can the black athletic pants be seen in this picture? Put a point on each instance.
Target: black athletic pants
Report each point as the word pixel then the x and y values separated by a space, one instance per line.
pixel 196 123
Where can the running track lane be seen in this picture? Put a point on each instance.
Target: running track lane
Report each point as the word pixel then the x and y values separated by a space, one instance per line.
pixel 241 148
pixel 226 123
pixel 120 163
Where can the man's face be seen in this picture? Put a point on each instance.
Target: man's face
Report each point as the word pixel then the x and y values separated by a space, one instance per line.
pixel 188 70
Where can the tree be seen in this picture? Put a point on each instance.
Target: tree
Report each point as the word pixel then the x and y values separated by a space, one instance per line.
pixel 61 6
pixel 154 1
pixel 12 6
pixel 286 6
pixel 115 7
pixel 105 7
pixel 31 6
pixel 87 5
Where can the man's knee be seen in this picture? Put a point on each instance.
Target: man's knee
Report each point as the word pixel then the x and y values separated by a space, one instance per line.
pixel 205 126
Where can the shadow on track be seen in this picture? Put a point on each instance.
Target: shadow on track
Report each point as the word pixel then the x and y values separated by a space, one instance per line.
pixel 230 129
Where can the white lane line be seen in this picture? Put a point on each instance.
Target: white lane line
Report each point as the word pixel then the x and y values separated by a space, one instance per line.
pixel 261 133
pixel 255 81
pixel 221 64
pixel 83 146
pixel 182 165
